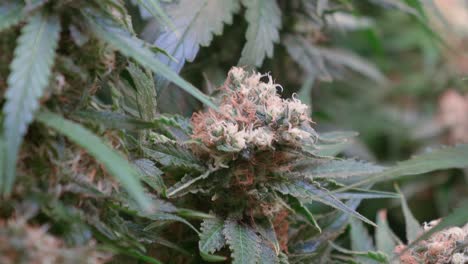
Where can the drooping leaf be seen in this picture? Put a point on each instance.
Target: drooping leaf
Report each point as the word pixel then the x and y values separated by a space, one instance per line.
pixel 10 14
pixel 28 79
pixel 444 158
pixel 211 237
pixel 413 228
pixel 384 237
pixel 133 47
pixel 326 63
pixel 307 193
pixel 117 166
pixel 196 21
pixel 243 242
pixel 264 18
pixel 151 175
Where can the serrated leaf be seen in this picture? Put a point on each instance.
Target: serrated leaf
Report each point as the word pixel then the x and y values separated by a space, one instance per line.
pixel 151 175
pixel 444 158
pixel 131 46
pixel 211 236
pixel 384 237
pixel 243 242
pixel 10 14
pixel 146 92
pixel 28 79
pixel 307 193
pixel 117 166
pixel 328 64
pixel 264 18
pixel 158 217
pixel 196 21
pixel 267 253
pixel 173 155
pixel 413 228
pixel 267 232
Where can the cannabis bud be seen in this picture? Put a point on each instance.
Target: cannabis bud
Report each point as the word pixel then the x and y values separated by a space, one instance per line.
pixel 252 116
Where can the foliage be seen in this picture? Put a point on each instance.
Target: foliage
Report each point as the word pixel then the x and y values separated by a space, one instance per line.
pixel 99 163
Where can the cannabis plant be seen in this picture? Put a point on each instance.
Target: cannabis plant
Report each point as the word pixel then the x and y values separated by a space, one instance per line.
pixel 93 172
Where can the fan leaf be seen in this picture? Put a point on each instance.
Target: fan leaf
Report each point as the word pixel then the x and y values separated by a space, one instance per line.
pixel 10 14
pixel 117 166
pixel 29 77
pixel 131 46
pixel 264 18
pixel 243 242
pixel 306 192
pixel 211 237
pixel 196 21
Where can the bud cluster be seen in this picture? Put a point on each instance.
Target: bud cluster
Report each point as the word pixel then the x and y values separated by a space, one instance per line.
pixel 252 116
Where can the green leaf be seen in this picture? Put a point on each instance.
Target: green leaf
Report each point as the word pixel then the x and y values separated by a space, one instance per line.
pixel 366 194
pixel 131 46
pixel 185 183
pixel 243 242
pixel 396 4
pixel 307 193
pixel 151 175
pixel 342 169
pixel 413 228
pixel 155 8
pixel 158 217
pixel 384 237
pixel 211 237
pixel 196 22
pixel 117 166
pixel 114 120
pixel 444 158
pixel 267 253
pixel 173 155
pixel 457 217
pixel 373 256
pixel 299 207
pixel 264 18
pixel 146 92
pixel 360 239
pixel 11 13
pixel 28 79
pixel 326 63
